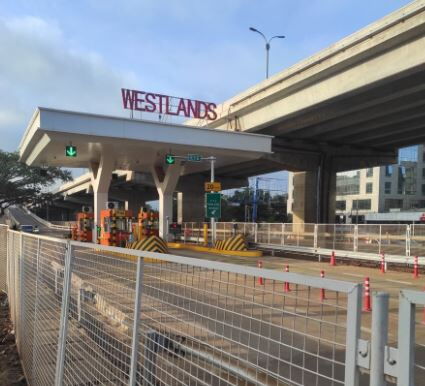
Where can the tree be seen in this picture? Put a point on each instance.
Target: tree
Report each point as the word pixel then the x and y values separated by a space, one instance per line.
pixel 20 183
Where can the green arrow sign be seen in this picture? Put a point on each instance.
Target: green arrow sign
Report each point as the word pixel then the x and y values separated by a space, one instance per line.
pixel 170 159
pixel 213 205
pixel 71 151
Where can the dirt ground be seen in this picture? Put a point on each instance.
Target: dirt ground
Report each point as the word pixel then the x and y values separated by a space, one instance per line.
pixel 10 366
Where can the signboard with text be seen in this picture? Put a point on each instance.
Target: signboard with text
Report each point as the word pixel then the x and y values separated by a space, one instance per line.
pixel 165 104
pixel 212 186
pixel 213 205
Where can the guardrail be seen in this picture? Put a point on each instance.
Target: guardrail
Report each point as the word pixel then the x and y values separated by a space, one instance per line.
pixel 91 314
pixel 46 223
pixel 400 243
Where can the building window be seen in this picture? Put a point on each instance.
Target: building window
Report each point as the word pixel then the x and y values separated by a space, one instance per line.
pixel 369 187
pixel 388 170
pixel 393 203
pixel 423 189
pixel 387 188
pixel 369 172
pixel 423 172
pixel 362 204
pixel 341 205
pixel 348 183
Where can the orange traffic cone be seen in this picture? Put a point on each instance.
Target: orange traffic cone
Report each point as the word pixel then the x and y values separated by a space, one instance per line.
pixel 322 290
pixel 260 279
pixel 382 268
pixel 332 260
pixel 286 287
pixel 416 268
pixel 366 303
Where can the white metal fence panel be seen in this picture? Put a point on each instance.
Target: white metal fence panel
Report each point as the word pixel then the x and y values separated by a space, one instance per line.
pixel 212 323
pixel 411 338
pixel 393 239
pixel 3 257
pixel 101 317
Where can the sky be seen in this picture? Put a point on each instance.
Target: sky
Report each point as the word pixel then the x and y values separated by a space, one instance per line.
pixel 76 55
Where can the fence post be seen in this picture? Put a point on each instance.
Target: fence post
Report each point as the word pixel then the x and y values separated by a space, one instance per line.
pixel 283 234
pixel 63 326
pixel 136 322
pixel 255 233
pixel 408 239
pixel 334 236
pixel 406 341
pixel 354 305
pixel 315 236
pixel 19 330
pixel 380 239
pixel 37 270
pixel 379 337
pixel 268 233
pixel 356 238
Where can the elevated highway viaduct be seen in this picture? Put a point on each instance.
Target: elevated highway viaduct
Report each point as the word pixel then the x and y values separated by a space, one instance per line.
pixel 352 105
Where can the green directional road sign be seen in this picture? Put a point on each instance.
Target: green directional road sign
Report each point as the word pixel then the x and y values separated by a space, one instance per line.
pixel 170 159
pixel 194 157
pixel 71 151
pixel 213 205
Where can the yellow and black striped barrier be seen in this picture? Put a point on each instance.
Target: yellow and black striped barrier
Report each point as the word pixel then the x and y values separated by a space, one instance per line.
pixel 151 244
pixel 235 243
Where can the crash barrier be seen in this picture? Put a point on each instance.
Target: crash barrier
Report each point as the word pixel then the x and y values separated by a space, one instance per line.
pixel 88 316
pixel 400 242
pixel 235 243
pixel 151 243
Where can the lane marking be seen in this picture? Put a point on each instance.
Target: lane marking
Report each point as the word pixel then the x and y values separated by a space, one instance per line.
pixel 399 281
pixel 352 274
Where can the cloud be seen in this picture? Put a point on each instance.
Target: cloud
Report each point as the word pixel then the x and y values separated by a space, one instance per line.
pixel 39 67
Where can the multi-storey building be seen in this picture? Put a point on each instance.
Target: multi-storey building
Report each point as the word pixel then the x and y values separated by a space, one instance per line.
pixel 389 188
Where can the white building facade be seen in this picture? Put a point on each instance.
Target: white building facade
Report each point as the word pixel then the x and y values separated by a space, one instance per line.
pixel 381 189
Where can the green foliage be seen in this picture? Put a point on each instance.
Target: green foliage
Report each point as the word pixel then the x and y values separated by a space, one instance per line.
pixel 20 183
pixel 238 206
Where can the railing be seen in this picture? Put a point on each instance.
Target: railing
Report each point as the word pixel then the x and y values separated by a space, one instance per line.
pixel 199 322
pixel 400 243
pixel 87 314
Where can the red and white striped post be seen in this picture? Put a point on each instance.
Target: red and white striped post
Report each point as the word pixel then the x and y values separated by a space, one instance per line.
pixel 322 290
pixel 383 267
pixel 286 287
pixel 416 268
pixel 366 301
pixel 260 278
pixel 332 261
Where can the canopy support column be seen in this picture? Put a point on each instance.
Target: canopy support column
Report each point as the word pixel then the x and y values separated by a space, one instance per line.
pixel 101 175
pixel 166 183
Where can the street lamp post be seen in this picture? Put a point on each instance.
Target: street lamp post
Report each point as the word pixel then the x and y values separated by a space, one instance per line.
pixel 267 46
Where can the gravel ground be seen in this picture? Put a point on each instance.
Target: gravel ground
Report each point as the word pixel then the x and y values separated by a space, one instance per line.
pixel 10 366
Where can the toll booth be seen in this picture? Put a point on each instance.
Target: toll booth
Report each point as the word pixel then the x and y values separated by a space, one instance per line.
pixel 175 230
pixel 115 227
pixel 147 224
pixel 82 230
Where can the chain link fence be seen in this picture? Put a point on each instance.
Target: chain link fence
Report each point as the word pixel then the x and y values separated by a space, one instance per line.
pixel 399 242
pixel 86 314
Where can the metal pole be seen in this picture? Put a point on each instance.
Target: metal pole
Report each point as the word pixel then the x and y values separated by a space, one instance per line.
pixel 136 323
pixel 379 337
pixel 212 220
pixel 406 341
pixel 63 327
pixel 354 307
pixel 267 59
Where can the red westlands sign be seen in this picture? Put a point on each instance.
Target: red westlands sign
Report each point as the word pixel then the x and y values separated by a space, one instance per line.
pixel 164 104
